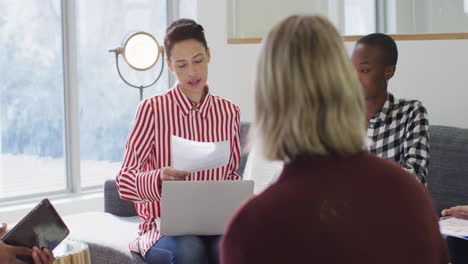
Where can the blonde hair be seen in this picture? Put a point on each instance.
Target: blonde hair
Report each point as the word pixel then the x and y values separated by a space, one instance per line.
pixel 308 96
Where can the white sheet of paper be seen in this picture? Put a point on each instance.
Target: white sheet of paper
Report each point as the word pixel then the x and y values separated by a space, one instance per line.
pixel 454 227
pixel 262 171
pixel 192 156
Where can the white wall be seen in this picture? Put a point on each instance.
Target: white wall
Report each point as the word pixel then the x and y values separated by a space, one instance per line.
pixel 433 71
pixel 422 16
pixel 271 12
pixel 351 17
pixel 230 69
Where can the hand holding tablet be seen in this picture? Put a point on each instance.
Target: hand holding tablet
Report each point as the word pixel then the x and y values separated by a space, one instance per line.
pixel 42 228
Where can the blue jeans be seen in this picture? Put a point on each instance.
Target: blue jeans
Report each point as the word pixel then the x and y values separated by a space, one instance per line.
pixel 184 249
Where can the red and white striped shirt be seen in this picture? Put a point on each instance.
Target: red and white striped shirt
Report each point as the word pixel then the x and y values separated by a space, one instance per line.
pixel 148 150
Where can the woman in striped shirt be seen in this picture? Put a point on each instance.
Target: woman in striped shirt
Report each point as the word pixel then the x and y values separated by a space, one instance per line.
pixel 189 111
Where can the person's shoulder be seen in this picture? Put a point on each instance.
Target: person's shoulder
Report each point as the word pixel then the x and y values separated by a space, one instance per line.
pixel 400 185
pixel 250 212
pixel 164 95
pixel 225 103
pixel 157 100
pixel 146 103
pixel 395 176
pixel 245 231
pixel 249 226
pixel 409 105
pixel 375 161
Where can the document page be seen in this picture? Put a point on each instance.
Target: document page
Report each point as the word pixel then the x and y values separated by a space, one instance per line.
pixel 262 171
pixel 454 227
pixel 192 156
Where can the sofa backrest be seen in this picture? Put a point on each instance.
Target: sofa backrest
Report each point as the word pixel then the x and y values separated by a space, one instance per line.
pixel 244 130
pixel 447 181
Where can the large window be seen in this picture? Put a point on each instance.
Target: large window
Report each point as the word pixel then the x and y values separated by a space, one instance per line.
pixel 188 9
pixel 32 150
pixel 37 98
pixel 359 17
pixel 107 105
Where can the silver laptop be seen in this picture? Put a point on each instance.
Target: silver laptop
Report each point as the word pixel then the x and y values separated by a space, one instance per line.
pixel 200 207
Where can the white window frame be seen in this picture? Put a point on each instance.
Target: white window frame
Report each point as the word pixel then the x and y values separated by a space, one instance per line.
pixel 72 116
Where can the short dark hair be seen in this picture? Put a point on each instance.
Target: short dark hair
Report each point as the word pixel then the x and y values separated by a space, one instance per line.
pixel 183 29
pixel 385 43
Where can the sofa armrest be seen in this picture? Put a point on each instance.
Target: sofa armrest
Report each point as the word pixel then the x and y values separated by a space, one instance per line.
pixel 447 181
pixel 244 131
pixel 113 204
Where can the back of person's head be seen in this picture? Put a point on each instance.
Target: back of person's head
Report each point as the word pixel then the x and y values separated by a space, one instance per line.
pixel 307 93
pixel 385 43
pixel 183 29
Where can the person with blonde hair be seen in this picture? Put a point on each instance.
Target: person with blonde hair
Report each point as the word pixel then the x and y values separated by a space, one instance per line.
pixel 334 202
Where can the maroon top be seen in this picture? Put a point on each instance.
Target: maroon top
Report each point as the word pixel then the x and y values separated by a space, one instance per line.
pixel 361 209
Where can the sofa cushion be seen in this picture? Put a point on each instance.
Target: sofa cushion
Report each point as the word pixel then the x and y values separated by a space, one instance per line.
pixel 447 180
pixel 107 235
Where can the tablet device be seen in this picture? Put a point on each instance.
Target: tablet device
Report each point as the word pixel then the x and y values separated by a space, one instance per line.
pixel 201 207
pixel 42 227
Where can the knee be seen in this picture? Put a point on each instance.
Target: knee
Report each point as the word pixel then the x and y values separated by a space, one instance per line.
pixel 190 249
pixel 158 256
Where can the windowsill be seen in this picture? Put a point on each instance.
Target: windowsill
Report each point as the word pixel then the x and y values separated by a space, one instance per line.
pixel 65 204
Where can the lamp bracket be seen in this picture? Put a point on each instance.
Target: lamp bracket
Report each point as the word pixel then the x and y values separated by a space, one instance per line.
pixel 118 51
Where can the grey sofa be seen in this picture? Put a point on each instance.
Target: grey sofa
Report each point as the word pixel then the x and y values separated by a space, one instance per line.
pixel 109 235
pixel 447 181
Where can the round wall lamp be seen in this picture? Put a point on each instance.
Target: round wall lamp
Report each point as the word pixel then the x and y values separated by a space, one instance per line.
pixel 141 51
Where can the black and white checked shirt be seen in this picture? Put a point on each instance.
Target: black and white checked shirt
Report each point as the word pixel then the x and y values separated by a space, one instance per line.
pixel 400 132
